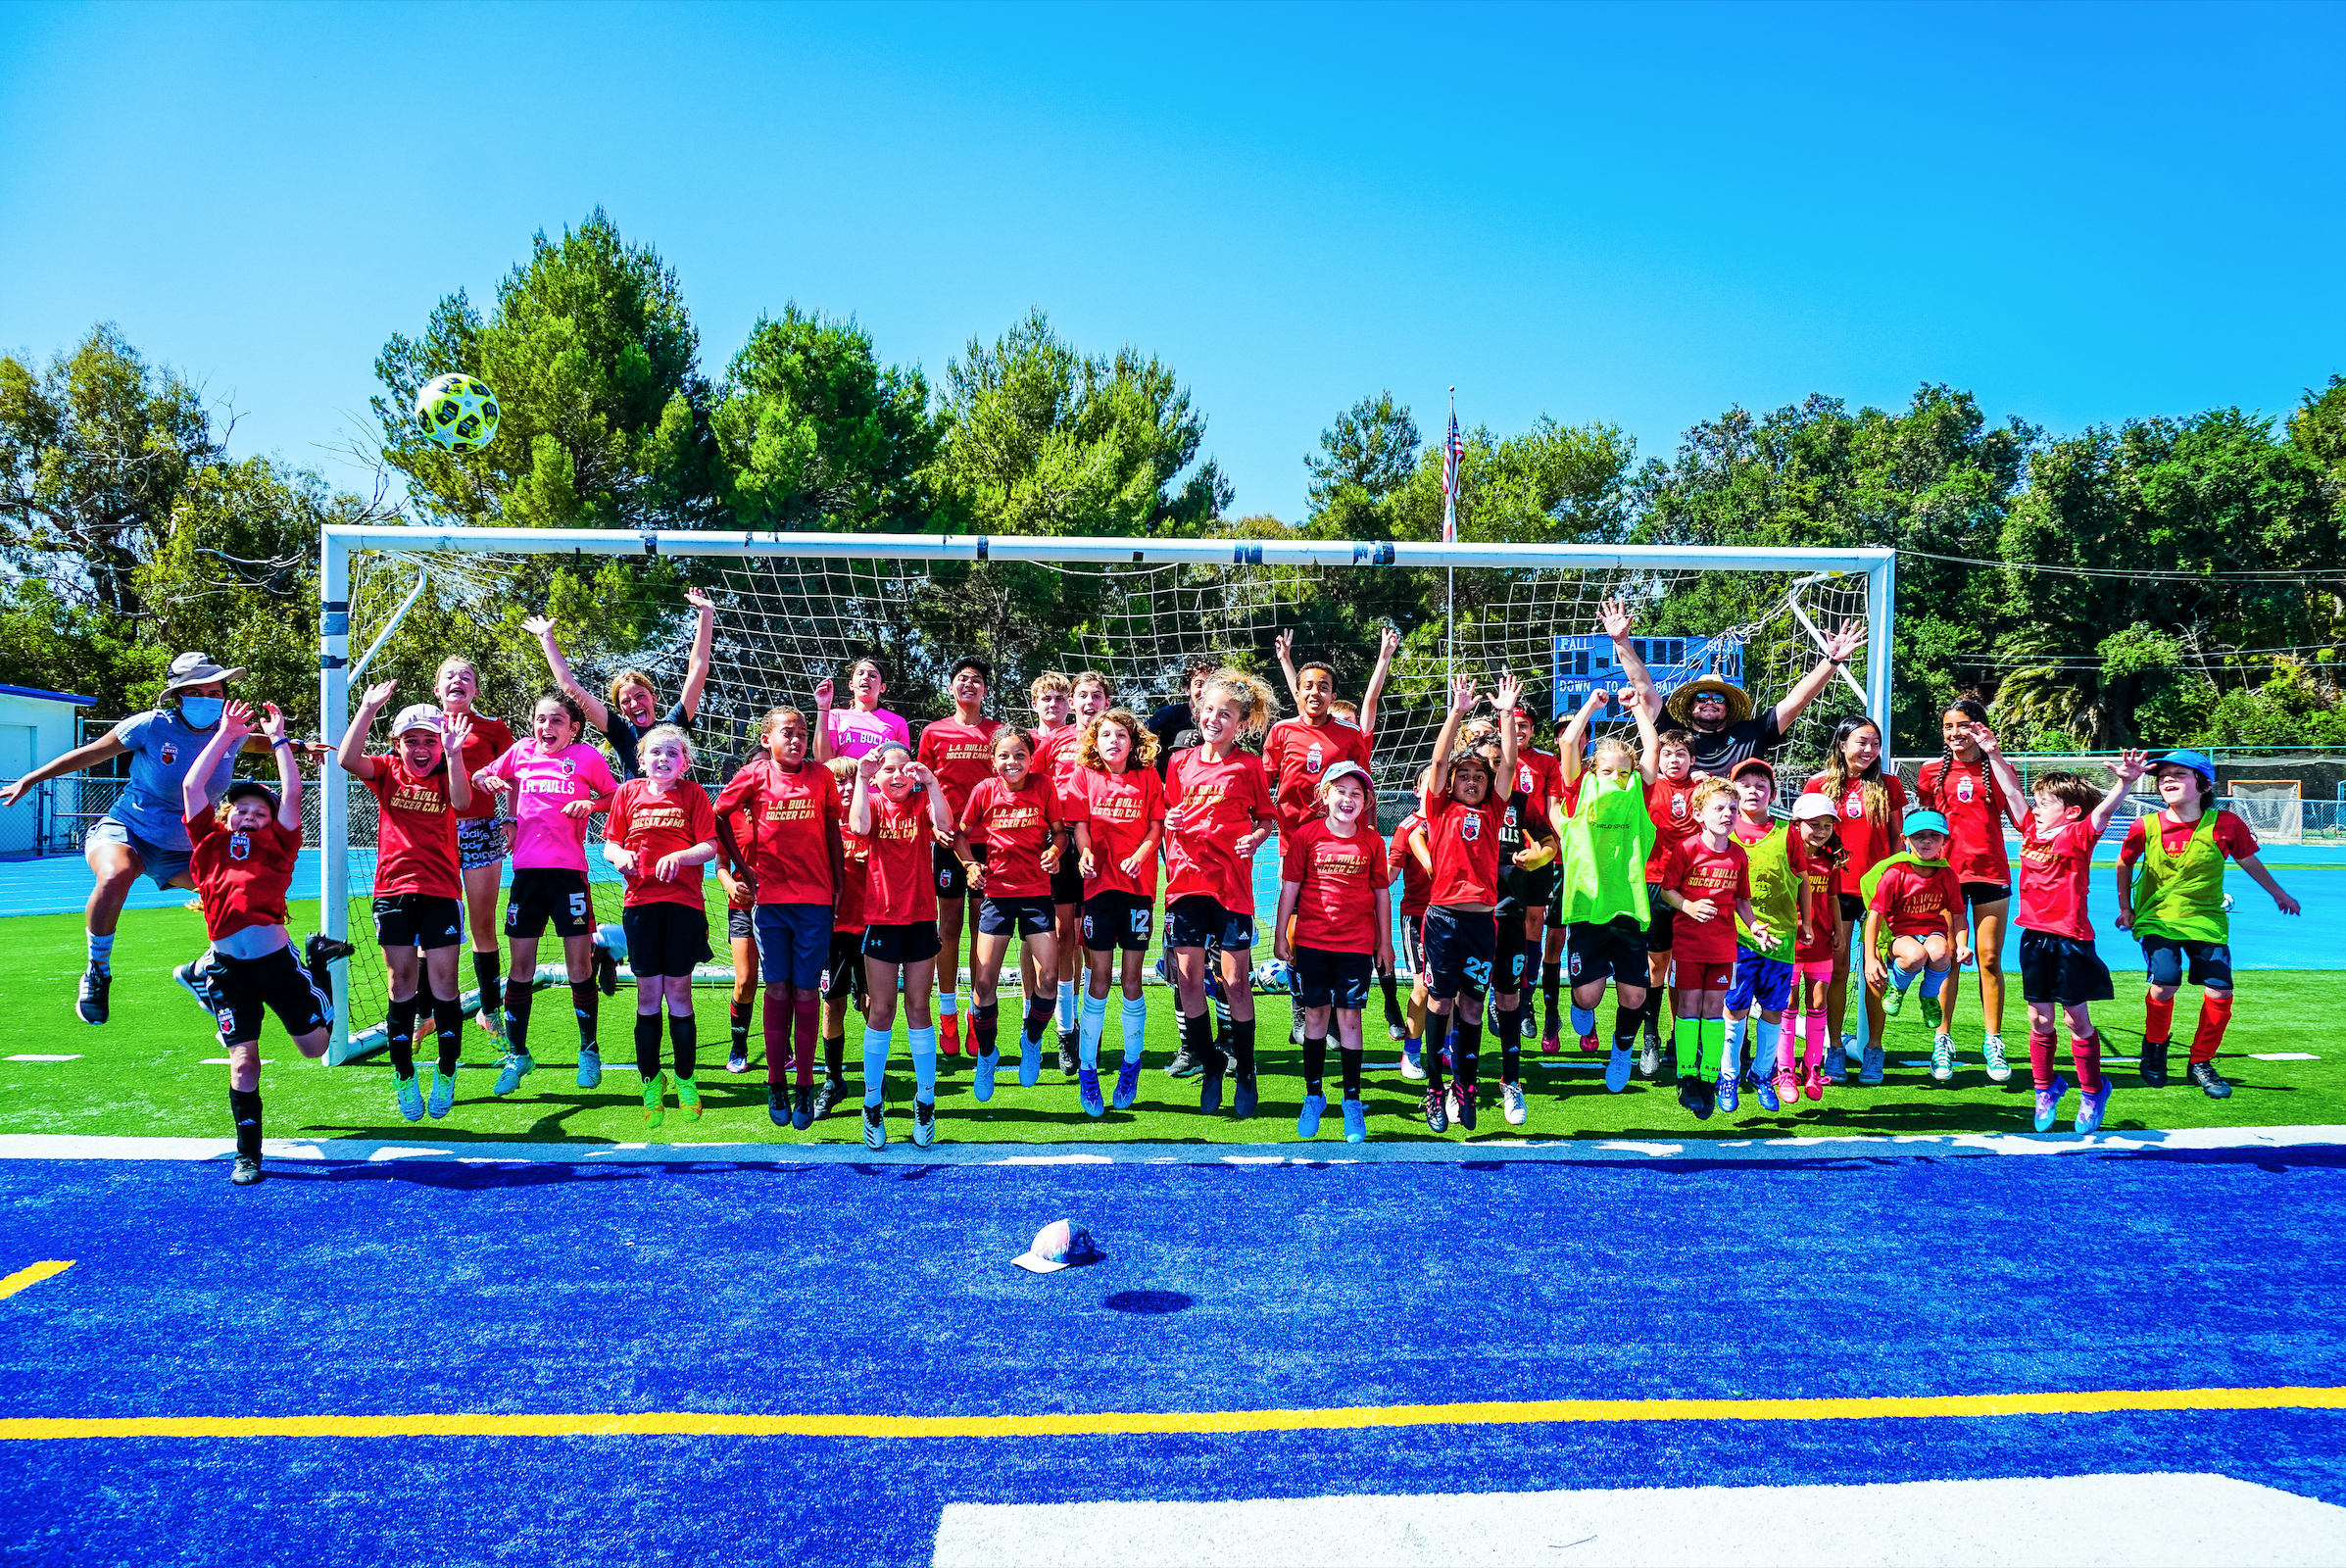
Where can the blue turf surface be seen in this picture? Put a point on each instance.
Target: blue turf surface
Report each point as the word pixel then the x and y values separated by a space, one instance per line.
pixel 885 1289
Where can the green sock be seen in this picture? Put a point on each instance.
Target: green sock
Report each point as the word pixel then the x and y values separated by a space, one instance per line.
pixel 1712 1032
pixel 1686 1035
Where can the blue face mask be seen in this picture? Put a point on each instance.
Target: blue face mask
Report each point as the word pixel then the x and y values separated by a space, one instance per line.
pixel 200 713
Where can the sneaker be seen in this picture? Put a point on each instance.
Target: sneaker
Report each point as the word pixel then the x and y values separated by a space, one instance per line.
pixel 514 1069
pixel 1128 1085
pixel 1462 1105
pixel 987 1064
pixel 925 1123
pixel 2049 1103
pixel 1242 1099
pixel 1413 1061
pixel 2153 1066
pixel 1186 1063
pixel 1308 1120
pixel 1617 1071
pixel 1030 1063
pixel 949 1034
pixel 1932 1013
pixel 247 1171
pixel 1894 1001
pixel 1294 1027
pixel 606 971
pixel 688 1097
pixel 443 1099
pixel 2092 1107
pixel 1587 1044
pixel 1836 1065
pixel 1070 1061
pixel 827 1095
pixel 1725 1095
pixel 801 1105
pixel 1764 1089
pixel 737 1060
pixel 411 1097
pixel 491 1022
pixel 1551 1042
pixel 590 1066
pixel 1437 1116
pixel 1788 1089
pixel 1394 1029
pixel 1813 1085
pixel 1650 1059
pixel 1511 1096
pixel 656 1099
pixel 777 1106
pixel 1992 1052
pixel 1087 1090
pixel 1209 1089
pixel 185 974
pixel 2211 1081
pixel 1690 1095
pixel 875 1127
pixel 1943 1058
pixel 1356 1122
pixel 321 950
pixel 1871 1071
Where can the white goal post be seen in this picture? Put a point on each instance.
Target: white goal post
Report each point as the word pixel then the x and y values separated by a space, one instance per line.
pixel 340 544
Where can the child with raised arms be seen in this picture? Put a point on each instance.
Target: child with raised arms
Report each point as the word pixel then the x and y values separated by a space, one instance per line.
pixel 796 865
pixel 1412 857
pixel 1815 948
pixel 1913 924
pixel 1116 804
pixel 2171 895
pixel 660 832
pixel 1670 802
pixel 1960 786
pixel 1706 881
pixel 419 795
pixel 632 711
pixel 843 983
pixel 863 725
pixel 899 811
pixel 1335 921
pixel 1563 798
pixel 958 753
pixel 484 833
pixel 1763 981
pixel 556 783
pixel 1526 854
pixel 1872 802
pixel 1055 739
pixel 740 928
pixel 1218 813
pixel 1541 781
pixel 241 868
pixel 1606 844
pixel 1016 814
pixel 1463 811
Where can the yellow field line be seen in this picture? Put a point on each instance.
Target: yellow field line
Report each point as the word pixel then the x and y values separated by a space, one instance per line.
pixel 1103 1424
pixel 33 1274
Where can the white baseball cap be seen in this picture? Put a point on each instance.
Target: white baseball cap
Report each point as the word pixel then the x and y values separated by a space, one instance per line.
pixel 416 716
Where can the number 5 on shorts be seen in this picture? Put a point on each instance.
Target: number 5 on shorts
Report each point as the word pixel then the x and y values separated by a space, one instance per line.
pixel 578 906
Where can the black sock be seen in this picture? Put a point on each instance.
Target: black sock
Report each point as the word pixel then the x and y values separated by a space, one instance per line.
pixel 984 1022
pixel 1393 999
pixel 401 1031
pixel 1315 1062
pixel 1242 1045
pixel 447 1024
pixel 585 1001
pixel 1551 980
pixel 485 970
pixel 683 1048
pixel 1626 1020
pixel 1469 1045
pixel 740 1020
pixel 646 1043
pixel 1438 1025
pixel 1510 1033
pixel 1040 1012
pixel 518 996
pixel 1651 1013
pixel 835 1057
pixel 1350 1062
pixel 1197 1038
pixel 244 1109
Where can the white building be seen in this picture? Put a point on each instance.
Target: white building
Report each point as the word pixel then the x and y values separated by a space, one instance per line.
pixel 37 725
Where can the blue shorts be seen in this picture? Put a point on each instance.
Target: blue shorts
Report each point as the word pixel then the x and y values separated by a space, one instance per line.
pixel 794 944
pixel 1198 920
pixel 163 866
pixel 1460 945
pixel 1761 979
pixel 2208 963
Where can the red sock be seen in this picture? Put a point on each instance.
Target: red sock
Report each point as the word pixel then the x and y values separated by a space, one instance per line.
pixel 777 1033
pixel 2086 1052
pixel 2158 1019
pixel 810 1012
pixel 2041 1058
pixel 2214 1012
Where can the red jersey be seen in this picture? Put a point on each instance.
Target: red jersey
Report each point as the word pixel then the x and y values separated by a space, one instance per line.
pixel 855 855
pixel 1298 753
pixel 792 819
pixel 652 826
pixel 1017 825
pixel 1540 780
pixel 241 877
pixel 1464 841
pixel 1821 898
pixel 1694 870
pixel 488 740
pixel 962 755
pixel 1120 808
pixel 1914 899
pixel 1966 795
pixel 1335 909
pixel 415 831
pixel 2232 836
pixel 1670 802
pixel 900 888
pixel 2055 868
pixel 1208 807
pixel 1417 883
pixel 1867 841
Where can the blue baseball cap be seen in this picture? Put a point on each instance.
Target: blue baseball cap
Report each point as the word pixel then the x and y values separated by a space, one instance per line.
pixel 1926 822
pixel 1057 1244
pixel 2199 762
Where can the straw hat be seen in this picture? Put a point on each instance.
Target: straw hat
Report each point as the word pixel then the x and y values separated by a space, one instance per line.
pixel 1682 702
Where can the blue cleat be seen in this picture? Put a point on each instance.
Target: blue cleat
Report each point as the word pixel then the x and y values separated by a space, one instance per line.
pixel 2091 1107
pixel 987 1064
pixel 777 1106
pixel 802 1108
pixel 1724 1093
pixel 1241 1102
pixel 1871 1072
pixel 1356 1122
pixel 1767 1095
pixel 590 1066
pixel 443 1099
pixel 1307 1121
pixel 1030 1063
pixel 410 1098
pixel 1128 1085
pixel 1209 1091
pixel 875 1127
pixel 1087 1089
pixel 1617 1071
pixel 2048 1103
pixel 1836 1065
pixel 510 1075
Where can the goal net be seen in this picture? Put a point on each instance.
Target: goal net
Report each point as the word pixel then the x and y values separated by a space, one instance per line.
pixel 794 609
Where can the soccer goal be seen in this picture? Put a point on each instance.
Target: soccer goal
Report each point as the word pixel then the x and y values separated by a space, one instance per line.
pixel 795 607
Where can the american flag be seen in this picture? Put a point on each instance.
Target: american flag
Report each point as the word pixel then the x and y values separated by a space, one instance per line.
pixel 1454 447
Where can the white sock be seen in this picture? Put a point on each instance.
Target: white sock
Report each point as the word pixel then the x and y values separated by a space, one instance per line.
pixel 1094 1020
pixel 1135 1028
pixel 923 1043
pixel 875 1064
pixel 1730 1062
pixel 1067 1005
pixel 101 950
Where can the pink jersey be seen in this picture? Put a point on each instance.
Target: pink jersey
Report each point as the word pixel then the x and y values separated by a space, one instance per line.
pixel 544 782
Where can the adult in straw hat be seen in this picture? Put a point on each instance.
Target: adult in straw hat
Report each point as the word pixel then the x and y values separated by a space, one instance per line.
pixel 1717 716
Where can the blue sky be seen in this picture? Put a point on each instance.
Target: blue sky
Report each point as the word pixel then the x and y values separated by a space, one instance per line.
pixel 1631 215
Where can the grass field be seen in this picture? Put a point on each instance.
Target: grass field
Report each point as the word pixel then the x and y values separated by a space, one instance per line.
pixel 145 1074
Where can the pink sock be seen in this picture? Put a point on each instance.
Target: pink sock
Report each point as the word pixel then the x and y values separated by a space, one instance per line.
pixel 810 1010
pixel 1812 1055
pixel 2041 1058
pixel 2087 1053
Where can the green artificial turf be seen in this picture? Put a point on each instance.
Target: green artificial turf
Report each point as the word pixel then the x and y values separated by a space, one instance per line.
pixel 143 1073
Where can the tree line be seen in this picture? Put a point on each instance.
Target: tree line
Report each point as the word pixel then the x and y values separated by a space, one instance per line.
pixel 2170 580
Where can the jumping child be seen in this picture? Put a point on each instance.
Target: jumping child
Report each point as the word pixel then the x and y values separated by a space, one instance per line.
pixel 1015 813
pixel 1462 827
pixel 484 834
pixel 1055 739
pixel 1116 804
pixel 660 832
pixel 1914 914
pixel 1562 794
pixel 1763 969
pixel 958 753
pixel 1606 844
pixel 1334 887
pixel 843 981
pixel 1871 800
pixel 1814 951
pixel 1703 877
pixel 1669 801
pixel 901 812
pixel 1410 855
pixel 1961 787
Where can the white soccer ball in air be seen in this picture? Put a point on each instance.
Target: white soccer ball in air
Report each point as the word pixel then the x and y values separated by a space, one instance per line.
pixel 457 411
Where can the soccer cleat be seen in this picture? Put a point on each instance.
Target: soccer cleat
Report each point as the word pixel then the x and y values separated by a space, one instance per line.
pixel 1992 1052
pixel 1450 1062
pixel 688 1097
pixel 1813 1085
pixel 1894 1001
pixel 875 1127
pixel 1551 1042
pixel 185 974
pixel 2153 1065
pixel 777 1106
pixel 1413 1062
pixel 1725 1095
pixel 656 1099
pixel 2091 1108
pixel 949 1034
pixel 410 1098
pixel 1462 1106
pixel 1690 1095
pixel 590 1066
pixel 1394 1029
pixel 1087 1090
pixel 1071 1063
pixel 737 1060
pixel 516 1066
pixel 2048 1103
pixel 1209 1089
pixel 925 1123
pixel 1764 1089
pixel 1294 1027
pixel 1870 1070
pixel 2211 1081
pixel 606 971
pixel 988 1063
pixel 801 1105
pixel 1650 1059
pixel 443 1099
pixel 1030 1063
pixel 1943 1058
pixel 247 1171
pixel 1437 1115
pixel 1836 1065
pixel 827 1095
pixel 1308 1120
pixel 1128 1085
pixel 1511 1096
pixel 1186 1063
pixel 1788 1088
pixel 1242 1099
pixel 321 950
pixel 1617 1071
pixel 1933 1014
pixel 1356 1122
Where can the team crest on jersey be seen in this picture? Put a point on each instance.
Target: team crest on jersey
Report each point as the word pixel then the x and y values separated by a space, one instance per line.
pixel 1677 807
pixel 1470 828
pixel 1312 758
pixel 1963 790
pixel 170 752
pixel 1855 806
pixel 570 766
pixel 240 846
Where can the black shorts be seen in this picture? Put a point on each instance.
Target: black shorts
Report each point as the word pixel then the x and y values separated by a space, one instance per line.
pixel 1459 944
pixel 917 943
pixel 418 920
pixel 1118 920
pixel 1413 942
pixel 1067 882
pixel 1540 887
pixel 2172 959
pixel 1614 951
pixel 1976 894
pixel 844 979
pixel 1853 909
pixel 951 881
pixel 239 990
pixel 543 893
pixel 2061 969
pixel 1661 922
pixel 1016 917
pixel 1327 979
pixel 741 924
pixel 1510 953
pixel 665 940
pixel 1198 920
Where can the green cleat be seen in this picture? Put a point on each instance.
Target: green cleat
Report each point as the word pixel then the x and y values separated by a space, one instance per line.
pixel 1894 1001
pixel 410 1098
pixel 1932 1013
pixel 688 1097
pixel 656 1109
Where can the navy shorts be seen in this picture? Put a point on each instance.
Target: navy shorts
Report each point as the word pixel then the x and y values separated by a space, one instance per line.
pixel 665 940
pixel 1540 887
pixel 543 893
pixel 900 945
pixel 1199 921
pixel 845 982
pixel 1067 882
pixel 1460 947
pixel 1661 922
pixel 2061 969
pixel 1614 951
pixel 2172 960
pixel 1511 950
pixel 418 920
pixel 1761 980
pixel 794 944
pixel 1016 917
pixel 1113 920
pixel 239 991
pixel 951 881
pixel 1331 979
pixel 161 866
pixel 1413 942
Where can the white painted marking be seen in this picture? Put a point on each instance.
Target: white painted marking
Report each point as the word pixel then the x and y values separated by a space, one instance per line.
pixel 1058 1159
pixel 36 1058
pixel 2126 1521
pixel 223 1061
pixel 2254 1055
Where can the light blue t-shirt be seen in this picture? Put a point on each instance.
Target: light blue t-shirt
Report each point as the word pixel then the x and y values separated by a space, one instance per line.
pixel 163 748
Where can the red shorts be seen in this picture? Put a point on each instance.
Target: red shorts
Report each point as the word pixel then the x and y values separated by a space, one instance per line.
pixel 1694 976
